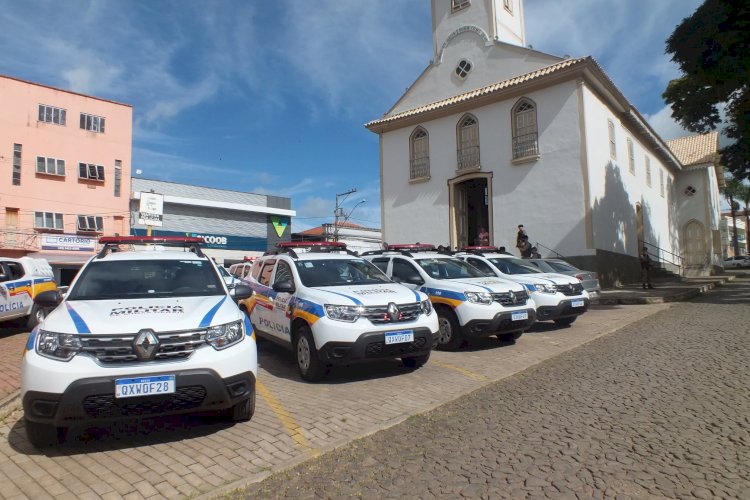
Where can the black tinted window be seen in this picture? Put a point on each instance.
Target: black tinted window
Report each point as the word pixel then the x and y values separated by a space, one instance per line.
pixel 135 279
pixel 339 272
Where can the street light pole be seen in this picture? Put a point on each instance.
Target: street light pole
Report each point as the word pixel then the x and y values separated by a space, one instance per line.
pixel 339 212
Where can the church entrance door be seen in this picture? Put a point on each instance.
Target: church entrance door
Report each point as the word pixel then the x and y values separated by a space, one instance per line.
pixel 471 200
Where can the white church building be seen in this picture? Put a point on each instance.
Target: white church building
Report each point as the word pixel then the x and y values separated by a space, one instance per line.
pixel 494 134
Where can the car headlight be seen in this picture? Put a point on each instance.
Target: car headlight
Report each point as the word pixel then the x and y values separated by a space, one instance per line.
pixel 222 336
pixel 59 346
pixel 479 297
pixel 546 288
pixel 426 307
pixel 349 314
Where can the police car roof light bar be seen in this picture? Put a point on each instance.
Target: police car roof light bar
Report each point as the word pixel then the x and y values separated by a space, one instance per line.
pixel 413 247
pixel 315 246
pixel 479 249
pixel 110 242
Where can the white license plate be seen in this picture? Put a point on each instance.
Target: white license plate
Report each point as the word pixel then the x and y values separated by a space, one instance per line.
pixel 144 386
pixel 519 315
pixel 576 303
pixel 399 337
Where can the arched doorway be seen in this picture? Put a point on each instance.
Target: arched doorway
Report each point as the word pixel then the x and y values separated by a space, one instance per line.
pixel 695 244
pixel 471 208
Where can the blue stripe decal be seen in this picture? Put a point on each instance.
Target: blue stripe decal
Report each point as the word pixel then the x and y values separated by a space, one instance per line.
pixel 444 293
pixel 356 301
pixel 32 339
pixel 530 287
pixel 248 326
pixel 416 294
pixel 206 321
pixel 474 284
pixel 81 325
pixel 310 307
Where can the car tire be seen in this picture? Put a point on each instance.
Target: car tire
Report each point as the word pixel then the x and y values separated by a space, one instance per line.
pixel 44 435
pixel 416 361
pixel 310 367
pixel 509 337
pixel 37 316
pixel 449 332
pixel 244 410
pixel 565 321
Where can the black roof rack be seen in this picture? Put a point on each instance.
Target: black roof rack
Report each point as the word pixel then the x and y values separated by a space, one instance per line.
pixel 111 244
pixel 312 246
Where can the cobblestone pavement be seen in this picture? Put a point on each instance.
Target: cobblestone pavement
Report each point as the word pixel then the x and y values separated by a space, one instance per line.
pixel 658 409
pixel 294 421
pixel 12 341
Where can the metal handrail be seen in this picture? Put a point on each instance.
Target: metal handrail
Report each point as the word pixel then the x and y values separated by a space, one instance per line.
pixel 539 245
pixel 679 259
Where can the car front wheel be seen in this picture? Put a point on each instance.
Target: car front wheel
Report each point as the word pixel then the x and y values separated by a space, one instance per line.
pixel 449 334
pixel 310 367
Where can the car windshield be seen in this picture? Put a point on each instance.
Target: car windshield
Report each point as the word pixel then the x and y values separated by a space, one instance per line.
pixel 140 279
pixel 339 272
pixel 450 269
pixel 561 266
pixel 514 266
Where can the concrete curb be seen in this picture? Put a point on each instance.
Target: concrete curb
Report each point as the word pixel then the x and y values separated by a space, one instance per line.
pixel 677 296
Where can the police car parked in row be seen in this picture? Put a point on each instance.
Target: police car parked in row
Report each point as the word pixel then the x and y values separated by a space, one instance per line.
pixel 20 281
pixel 139 333
pixel 332 307
pixel 469 303
pixel 557 297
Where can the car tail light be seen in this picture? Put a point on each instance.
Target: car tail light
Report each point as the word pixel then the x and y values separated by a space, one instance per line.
pixel 581 277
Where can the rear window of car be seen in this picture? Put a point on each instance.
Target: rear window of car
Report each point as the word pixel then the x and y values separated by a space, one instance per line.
pixel 561 266
pixel 140 279
pixel 514 266
pixel 450 269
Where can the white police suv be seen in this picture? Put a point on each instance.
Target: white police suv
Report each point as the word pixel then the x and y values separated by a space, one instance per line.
pixel 469 302
pixel 332 307
pixel 140 333
pixel 558 297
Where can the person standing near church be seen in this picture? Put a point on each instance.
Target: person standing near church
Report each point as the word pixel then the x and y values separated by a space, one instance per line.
pixel 483 239
pixel 645 259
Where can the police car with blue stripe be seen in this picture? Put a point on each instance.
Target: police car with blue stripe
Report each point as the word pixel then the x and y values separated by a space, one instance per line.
pixel 558 297
pixel 469 302
pixel 331 307
pixel 142 332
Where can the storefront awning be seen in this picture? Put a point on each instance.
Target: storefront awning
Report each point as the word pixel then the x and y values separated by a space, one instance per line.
pixel 63 258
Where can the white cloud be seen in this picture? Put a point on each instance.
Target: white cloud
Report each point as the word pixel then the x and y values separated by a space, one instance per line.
pixel 664 125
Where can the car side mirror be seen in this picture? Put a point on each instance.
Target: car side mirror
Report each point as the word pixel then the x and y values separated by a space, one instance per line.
pixel 413 279
pixel 241 292
pixel 285 286
pixel 48 299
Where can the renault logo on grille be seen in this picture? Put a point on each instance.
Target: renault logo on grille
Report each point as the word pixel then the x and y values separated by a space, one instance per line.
pixel 512 296
pixel 393 312
pixel 145 345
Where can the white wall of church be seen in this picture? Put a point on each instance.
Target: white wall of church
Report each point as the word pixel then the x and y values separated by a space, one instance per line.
pixel 545 195
pixel 614 190
pixel 703 206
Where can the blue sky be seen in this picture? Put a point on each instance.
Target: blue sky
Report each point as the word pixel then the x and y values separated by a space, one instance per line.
pixel 271 96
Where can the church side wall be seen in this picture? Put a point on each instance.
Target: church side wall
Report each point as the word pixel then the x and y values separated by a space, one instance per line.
pixel 615 191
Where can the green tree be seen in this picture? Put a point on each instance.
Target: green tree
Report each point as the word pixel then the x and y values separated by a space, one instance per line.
pixel 712 49
pixel 732 190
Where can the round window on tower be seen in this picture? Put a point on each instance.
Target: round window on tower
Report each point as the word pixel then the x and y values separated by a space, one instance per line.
pixel 690 191
pixel 463 69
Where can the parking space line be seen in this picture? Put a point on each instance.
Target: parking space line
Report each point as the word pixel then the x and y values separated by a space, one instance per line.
pixel 463 371
pixel 294 430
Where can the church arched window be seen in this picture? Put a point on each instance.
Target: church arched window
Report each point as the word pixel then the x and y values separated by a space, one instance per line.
pixel 419 154
pixel 525 130
pixel 468 142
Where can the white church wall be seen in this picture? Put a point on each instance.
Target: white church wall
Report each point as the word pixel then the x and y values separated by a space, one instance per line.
pixel 614 190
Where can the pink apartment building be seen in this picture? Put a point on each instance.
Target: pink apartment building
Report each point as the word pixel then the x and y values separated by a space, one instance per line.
pixel 64 172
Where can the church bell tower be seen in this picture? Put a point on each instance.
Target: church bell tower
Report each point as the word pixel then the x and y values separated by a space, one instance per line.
pixel 494 20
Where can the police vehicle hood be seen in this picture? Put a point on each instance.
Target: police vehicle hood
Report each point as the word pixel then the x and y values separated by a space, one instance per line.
pixel 366 295
pixel 129 316
pixel 485 284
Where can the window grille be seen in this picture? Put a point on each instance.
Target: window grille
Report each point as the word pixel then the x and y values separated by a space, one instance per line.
pixel 612 143
pixel 525 132
pixel 17 149
pixel 468 143
pixel 419 164
pixel 648 171
pixel 631 156
pixel 118 177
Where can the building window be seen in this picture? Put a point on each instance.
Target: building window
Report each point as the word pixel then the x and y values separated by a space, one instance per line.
pixel 463 69
pixel 661 182
pixel 48 220
pixel 612 143
pixel 525 132
pixel 90 223
pixel 92 123
pixel 419 165
pixel 118 177
pixel 459 4
pixel 631 157
pixel 508 4
pixel 648 171
pixel 51 166
pixel 17 148
pixel 91 171
pixel 468 143
pixel 50 114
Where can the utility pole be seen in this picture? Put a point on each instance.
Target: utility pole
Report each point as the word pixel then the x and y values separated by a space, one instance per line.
pixel 339 211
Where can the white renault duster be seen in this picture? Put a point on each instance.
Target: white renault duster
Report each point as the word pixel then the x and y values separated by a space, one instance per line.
pixel 469 302
pixel 20 281
pixel 332 307
pixel 558 297
pixel 139 333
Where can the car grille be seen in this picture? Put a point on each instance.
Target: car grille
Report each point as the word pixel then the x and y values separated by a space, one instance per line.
pixel 381 349
pixel 511 298
pixel 571 289
pixel 118 349
pixel 106 405
pixel 378 315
